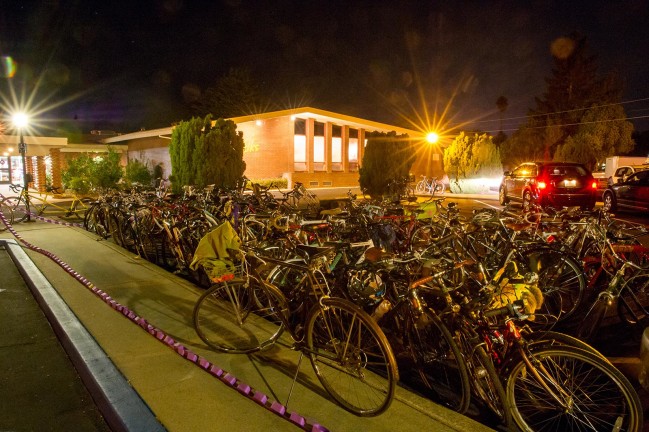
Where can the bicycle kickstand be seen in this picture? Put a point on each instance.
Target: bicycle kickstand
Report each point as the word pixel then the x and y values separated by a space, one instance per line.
pixel 297 371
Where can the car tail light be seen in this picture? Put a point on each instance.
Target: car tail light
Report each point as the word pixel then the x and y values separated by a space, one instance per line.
pixel 541 184
pixel 594 185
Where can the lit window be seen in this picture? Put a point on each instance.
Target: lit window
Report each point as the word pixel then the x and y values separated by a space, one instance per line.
pixel 336 150
pixel 353 150
pixel 318 149
pixel 299 153
pixel 352 153
pixel 318 146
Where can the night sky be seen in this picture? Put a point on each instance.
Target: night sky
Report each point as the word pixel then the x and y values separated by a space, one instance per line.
pixel 128 65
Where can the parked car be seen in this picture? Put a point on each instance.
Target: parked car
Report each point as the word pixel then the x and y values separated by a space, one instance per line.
pixel 623 172
pixel 549 184
pixel 629 194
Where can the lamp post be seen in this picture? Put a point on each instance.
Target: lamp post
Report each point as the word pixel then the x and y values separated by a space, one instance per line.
pixel 20 122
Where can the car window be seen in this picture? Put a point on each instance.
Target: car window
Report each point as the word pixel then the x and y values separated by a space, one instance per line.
pixel 641 177
pixel 525 171
pixel 622 171
pixel 566 171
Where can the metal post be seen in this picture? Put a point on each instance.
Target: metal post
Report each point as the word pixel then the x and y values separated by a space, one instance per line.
pixel 22 148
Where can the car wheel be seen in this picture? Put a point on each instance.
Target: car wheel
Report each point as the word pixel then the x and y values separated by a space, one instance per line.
pixel 527 200
pixel 609 202
pixel 502 195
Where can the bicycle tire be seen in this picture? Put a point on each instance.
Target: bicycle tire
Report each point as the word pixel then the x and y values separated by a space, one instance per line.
pixel 100 216
pixel 633 303
pixel 364 379
pixel 561 279
pixel 89 218
pixel 440 362
pixel 8 213
pixel 18 208
pixel 486 383
pixel 593 395
pixel 240 316
pixel 544 339
pixel 115 227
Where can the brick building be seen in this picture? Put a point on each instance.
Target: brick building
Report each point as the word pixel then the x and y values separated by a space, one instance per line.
pixel 316 147
pixel 44 157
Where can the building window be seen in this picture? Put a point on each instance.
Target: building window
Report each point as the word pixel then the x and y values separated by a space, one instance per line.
pixel 318 147
pixel 299 152
pixel 299 127
pixel 336 148
pixel 352 150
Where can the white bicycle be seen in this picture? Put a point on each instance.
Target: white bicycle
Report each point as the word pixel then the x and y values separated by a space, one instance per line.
pixel 430 186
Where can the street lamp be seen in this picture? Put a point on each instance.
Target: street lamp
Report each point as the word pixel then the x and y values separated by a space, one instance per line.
pixel 432 137
pixel 20 121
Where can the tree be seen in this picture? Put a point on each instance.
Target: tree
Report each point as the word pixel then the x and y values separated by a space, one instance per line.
pixel 138 172
pixel 388 158
pixel 603 132
pixel 107 170
pixel 87 172
pixel 472 155
pixel 574 90
pixel 204 153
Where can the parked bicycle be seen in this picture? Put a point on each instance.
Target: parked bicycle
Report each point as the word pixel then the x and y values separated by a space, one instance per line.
pixel 28 203
pixel 348 351
pixel 430 186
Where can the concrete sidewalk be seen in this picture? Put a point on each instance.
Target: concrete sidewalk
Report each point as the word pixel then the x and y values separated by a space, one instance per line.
pixel 162 359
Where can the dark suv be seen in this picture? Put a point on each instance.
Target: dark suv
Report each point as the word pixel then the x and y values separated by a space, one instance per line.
pixel 549 184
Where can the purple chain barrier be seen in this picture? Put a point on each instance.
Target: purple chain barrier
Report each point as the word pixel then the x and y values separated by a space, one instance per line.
pixel 224 376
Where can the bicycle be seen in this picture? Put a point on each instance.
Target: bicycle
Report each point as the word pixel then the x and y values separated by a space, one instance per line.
pixel 430 186
pixel 538 382
pixel 348 351
pixel 28 203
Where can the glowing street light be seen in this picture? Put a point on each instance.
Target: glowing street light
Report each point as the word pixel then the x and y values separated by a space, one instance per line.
pixel 20 121
pixel 432 137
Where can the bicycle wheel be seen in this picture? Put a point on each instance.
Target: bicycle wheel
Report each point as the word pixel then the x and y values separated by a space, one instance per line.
pixel 440 363
pixel 17 206
pixel 351 357
pixel 561 279
pixel 545 339
pixel 571 390
pixel 8 213
pixel 422 237
pixel 486 384
pixel 98 219
pixel 240 316
pixel 633 303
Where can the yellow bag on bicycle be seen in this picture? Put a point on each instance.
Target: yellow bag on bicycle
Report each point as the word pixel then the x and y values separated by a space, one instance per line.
pixel 212 251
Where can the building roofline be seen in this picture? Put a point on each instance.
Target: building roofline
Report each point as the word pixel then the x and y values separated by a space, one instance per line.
pixel 318 114
pixel 324 115
pixel 139 134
